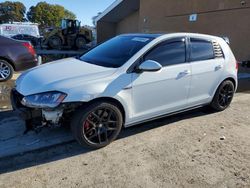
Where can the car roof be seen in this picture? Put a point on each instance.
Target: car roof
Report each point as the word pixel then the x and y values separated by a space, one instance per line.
pixel 157 35
pixel 146 35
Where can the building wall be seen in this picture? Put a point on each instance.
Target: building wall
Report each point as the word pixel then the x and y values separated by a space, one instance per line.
pixel 225 18
pixel 105 30
pixel 130 24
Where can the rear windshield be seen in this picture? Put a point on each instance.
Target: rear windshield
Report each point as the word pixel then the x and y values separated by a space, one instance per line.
pixel 115 52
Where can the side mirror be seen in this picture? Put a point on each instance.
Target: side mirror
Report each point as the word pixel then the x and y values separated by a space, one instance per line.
pixel 149 66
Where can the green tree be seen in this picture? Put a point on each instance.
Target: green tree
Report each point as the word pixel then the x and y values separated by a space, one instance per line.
pixel 48 15
pixel 69 15
pixel 12 11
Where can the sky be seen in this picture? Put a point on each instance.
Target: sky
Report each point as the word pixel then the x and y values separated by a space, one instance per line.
pixel 83 9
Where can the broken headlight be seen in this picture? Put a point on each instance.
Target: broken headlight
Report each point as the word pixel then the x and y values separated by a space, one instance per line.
pixel 44 100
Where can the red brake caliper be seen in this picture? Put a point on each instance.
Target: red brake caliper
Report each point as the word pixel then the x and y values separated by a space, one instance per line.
pixel 86 125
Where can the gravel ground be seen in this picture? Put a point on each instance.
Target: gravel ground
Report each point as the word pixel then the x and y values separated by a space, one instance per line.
pixel 195 149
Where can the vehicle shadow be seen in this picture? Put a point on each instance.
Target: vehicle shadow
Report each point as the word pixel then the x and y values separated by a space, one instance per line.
pixel 72 148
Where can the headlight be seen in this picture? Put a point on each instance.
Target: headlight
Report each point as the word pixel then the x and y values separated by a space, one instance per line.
pixel 44 100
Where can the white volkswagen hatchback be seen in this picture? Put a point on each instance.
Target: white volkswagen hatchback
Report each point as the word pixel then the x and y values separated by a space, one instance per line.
pixel 127 80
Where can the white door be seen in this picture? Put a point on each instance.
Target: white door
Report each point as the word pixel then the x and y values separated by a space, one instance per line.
pixel 164 91
pixel 206 71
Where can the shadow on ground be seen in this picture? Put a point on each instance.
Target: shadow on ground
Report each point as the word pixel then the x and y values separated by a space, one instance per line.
pixel 72 148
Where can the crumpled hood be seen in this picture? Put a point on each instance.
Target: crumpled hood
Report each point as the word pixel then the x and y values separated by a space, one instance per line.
pixel 60 75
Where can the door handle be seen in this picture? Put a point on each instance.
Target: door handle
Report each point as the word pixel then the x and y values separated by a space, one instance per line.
pixel 218 67
pixel 127 87
pixel 185 72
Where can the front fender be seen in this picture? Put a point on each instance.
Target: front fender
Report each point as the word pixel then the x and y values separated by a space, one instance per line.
pixel 113 88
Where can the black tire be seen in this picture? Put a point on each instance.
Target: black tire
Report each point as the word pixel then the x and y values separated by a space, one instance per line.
pixel 90 131
pixel 223 96
pixel 55 42
pixel 80 42
pixel 6 70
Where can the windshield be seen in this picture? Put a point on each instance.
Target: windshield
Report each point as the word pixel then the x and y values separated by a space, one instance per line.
pixel 115 52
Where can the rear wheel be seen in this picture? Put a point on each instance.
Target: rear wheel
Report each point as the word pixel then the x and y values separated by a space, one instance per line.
pixel 6 71
pixel 80 43
pixel 223 96
pixel 97 125
pixel 55 42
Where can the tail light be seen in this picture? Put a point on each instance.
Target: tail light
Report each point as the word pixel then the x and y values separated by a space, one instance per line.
pixel 30 48
pixel 237 65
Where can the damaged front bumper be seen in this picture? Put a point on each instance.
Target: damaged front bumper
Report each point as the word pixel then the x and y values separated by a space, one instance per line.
pixel 23 111
pixel 32 117
pixel 35 118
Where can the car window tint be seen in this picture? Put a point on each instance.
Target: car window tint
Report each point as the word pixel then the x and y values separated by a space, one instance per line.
pixel 201 50
pixel 168 53
pixel 115 52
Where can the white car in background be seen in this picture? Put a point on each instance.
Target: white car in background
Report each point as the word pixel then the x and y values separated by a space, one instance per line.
pixel 128 80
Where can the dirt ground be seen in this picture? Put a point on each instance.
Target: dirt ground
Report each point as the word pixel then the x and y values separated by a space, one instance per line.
pixel 194 149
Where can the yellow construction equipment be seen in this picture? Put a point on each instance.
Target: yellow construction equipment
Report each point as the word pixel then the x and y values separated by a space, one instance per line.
pixel 71 35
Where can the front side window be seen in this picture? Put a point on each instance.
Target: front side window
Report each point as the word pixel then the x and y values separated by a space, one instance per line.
pixel 201 50
pixel 168 53
pixel 116 52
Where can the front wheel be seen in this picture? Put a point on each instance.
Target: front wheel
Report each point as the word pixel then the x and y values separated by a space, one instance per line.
pixel 97 125
pixel 223 96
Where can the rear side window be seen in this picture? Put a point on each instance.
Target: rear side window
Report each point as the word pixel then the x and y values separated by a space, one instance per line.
pixel 201 50
pixel 168 53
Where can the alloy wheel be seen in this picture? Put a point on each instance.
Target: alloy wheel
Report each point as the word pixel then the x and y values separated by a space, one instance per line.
pixel 100 126
pixel 5 71
pixel 226 95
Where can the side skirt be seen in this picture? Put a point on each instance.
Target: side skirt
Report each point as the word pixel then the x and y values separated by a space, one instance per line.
pixel 165 115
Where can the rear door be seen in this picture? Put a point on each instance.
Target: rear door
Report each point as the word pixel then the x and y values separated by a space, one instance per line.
pixel 207 60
